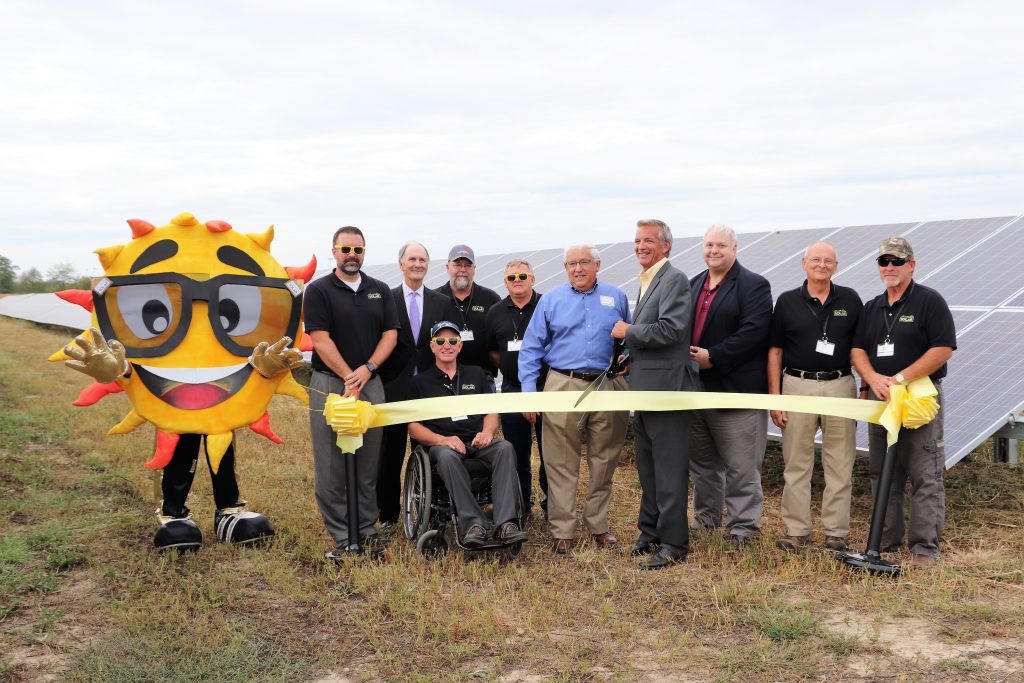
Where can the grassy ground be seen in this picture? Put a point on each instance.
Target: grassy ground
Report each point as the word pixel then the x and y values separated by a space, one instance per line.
pixel 84 597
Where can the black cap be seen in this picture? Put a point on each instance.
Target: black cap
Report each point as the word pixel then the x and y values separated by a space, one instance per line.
pixel 444 324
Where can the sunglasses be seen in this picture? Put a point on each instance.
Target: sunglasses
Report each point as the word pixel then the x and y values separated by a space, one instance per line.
pixel 452 341
pixel 522 277
pixel 886 260
pixel 348 250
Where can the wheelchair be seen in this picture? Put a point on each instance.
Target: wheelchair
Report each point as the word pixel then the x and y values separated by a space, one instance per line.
pixel 429 516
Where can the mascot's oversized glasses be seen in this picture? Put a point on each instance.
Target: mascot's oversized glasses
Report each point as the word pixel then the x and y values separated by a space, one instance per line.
pixel 150 314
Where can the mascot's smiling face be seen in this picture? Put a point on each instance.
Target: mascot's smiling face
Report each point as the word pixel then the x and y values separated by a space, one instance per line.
pixel 189 301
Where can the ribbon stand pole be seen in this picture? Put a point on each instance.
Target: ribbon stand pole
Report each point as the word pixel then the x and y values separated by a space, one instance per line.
pixel 870 560
pixel 352 498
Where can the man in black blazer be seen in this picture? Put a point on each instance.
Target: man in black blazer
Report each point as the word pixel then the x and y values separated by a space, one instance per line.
pixel 732 313
pixel 418 309
pixel 659 347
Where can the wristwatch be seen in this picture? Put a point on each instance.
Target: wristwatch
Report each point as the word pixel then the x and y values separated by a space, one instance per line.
pixel 371 367
pixel 899 377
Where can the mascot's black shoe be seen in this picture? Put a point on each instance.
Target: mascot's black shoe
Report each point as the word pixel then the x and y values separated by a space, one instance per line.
pixel 239 526
pixel 179 533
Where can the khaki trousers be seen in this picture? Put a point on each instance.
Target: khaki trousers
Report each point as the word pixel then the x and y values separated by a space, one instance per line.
pixel 606 433
pixel 838 450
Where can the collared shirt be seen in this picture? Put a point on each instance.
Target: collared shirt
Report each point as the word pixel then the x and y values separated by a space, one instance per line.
pixel 800 321
pixel 918 321
pixel 355 320
pixel 506 323
pixel 704 300
pixel 646 276
pixel 571 330
pixel 470 314
pixel 435 382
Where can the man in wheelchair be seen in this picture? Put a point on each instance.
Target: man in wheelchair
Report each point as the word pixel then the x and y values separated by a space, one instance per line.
pixel 452 440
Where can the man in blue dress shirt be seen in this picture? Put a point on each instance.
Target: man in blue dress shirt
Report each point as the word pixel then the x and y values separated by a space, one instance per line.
pixel 570 332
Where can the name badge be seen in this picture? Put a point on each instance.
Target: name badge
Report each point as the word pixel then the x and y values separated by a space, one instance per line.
pixel 886 349
pixel 515 344
pixel 607 301
pixel 825 347
pixel 467 335
pixel 456 418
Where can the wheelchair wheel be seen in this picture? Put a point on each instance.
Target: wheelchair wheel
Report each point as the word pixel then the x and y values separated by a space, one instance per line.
pixel 416 495
pixel 432 544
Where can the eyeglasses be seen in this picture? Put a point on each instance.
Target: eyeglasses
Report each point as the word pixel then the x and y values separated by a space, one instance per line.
pixel 817 261
pixel 522 277
pixel 884 261
pixel 345 249
pixel 581 262
pixel 452 341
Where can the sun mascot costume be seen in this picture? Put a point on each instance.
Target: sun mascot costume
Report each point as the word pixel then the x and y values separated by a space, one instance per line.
pixel 192 322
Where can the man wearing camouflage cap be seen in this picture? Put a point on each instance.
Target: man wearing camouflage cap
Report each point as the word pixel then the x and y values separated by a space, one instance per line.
pixel 905 333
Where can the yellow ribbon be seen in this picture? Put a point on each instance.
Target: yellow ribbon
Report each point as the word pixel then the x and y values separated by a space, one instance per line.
pixel 909 407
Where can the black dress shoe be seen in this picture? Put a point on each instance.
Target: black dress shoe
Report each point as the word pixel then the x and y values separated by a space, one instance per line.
pixel 662 558
pixel 475 537
pixel 644 548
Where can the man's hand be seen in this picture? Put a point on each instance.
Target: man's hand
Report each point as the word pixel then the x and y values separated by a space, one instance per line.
pixel 482 440
pixel 880 384
pixel 702 357
pixel 530 417
pixel 455 443
pixel 619 331
pixel 271 361
pixel 780 418
pixel 357 379
pixel 94 357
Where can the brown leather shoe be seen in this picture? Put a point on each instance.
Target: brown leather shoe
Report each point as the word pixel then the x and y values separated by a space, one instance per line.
pixel 792 543
pixel 475 537
pixel 836 544
pixel 605 540
pixel 562 546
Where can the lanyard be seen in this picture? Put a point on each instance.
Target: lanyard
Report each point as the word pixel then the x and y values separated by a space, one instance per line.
pixel 460 306
pixel 454 389
pixel 895 316
pixel 817 316
pixel 522 314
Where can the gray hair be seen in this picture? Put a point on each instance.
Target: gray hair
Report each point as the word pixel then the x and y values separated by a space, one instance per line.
pixel 594 253
pixel 725 229
pixel 401 251
pixel 831 246
pixel 518 262
pixel 664 232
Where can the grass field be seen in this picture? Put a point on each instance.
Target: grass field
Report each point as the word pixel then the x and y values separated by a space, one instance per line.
pixel 85 597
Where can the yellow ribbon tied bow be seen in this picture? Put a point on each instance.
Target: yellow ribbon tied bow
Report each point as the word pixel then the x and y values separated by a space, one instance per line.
pixel 349 418
pixel 911 406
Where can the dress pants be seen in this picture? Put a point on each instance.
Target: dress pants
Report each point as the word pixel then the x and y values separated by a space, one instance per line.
pixel 394 447
pixel 519 432
pixel 726 453
pixel 838 450
pixel 662 447
pixel 500 458
pixel 329 462
pixel 606 433
pixel 921 460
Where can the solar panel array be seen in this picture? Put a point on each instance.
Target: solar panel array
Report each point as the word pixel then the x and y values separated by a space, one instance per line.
pixel 974 263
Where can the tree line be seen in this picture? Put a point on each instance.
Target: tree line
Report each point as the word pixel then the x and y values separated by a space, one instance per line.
pixel 13 280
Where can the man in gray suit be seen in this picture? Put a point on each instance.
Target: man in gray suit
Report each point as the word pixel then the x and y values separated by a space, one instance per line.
pixel 658 343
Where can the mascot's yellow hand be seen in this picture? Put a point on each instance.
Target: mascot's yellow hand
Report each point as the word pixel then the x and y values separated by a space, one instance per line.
pixel 95 357
pixel 271 360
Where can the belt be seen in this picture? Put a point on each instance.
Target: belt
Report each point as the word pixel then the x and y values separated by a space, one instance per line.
pixel 585 376
pixel 820 376
pixel 330 373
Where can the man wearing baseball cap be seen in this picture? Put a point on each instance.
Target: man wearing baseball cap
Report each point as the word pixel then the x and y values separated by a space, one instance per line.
pixel 452 440
pixel 905 333
pixel 469 304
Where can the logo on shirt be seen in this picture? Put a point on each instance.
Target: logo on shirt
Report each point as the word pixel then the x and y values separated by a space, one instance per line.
pixel 477 309
pixel 839 313
pixel 469 387
pixel 906 318
pixel 373 295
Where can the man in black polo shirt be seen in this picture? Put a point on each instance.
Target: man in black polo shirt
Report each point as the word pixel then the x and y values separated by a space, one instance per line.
pixel 454 439
pixel 809 355
pixel 905 333
pixel 470 302
pixel 506 324
pixel 352 321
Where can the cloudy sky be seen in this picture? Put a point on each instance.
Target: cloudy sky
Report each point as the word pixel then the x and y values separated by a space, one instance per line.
pixel 527 124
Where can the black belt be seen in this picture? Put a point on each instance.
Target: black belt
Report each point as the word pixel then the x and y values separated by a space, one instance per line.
pixel 820 376
pixel 585 376
pixel 329 372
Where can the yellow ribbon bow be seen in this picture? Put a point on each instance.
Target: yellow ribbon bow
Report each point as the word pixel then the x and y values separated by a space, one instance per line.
pixel 911 406
pixel 349 418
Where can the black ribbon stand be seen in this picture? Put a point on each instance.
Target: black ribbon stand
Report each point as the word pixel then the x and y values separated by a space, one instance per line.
pixel 870 560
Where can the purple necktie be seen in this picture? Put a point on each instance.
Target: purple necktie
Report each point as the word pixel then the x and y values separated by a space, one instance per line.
pixel 414 315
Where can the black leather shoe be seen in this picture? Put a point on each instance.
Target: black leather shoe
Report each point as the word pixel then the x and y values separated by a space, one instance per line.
pixel 475 537
pixel 509 533
pixel 662 558
pixel 644 548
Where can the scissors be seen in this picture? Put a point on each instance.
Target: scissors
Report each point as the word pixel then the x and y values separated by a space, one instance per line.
pixel 620 359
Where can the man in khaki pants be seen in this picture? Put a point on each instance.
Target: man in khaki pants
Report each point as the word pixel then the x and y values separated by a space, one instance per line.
pixel 809 355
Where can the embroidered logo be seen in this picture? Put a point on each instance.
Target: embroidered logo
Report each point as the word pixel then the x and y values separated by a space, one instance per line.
pixel 477 309
pixel 373 295
pixel 469 387
pixel 839 313
pixel 906 318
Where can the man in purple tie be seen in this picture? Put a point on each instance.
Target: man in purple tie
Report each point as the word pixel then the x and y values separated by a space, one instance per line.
pixel 418 309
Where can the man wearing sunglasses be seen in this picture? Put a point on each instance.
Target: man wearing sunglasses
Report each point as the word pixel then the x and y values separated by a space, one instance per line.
pixel 470 302
pixel 905 333
pixel 452 440
pixel 353 323
pixel 506 325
